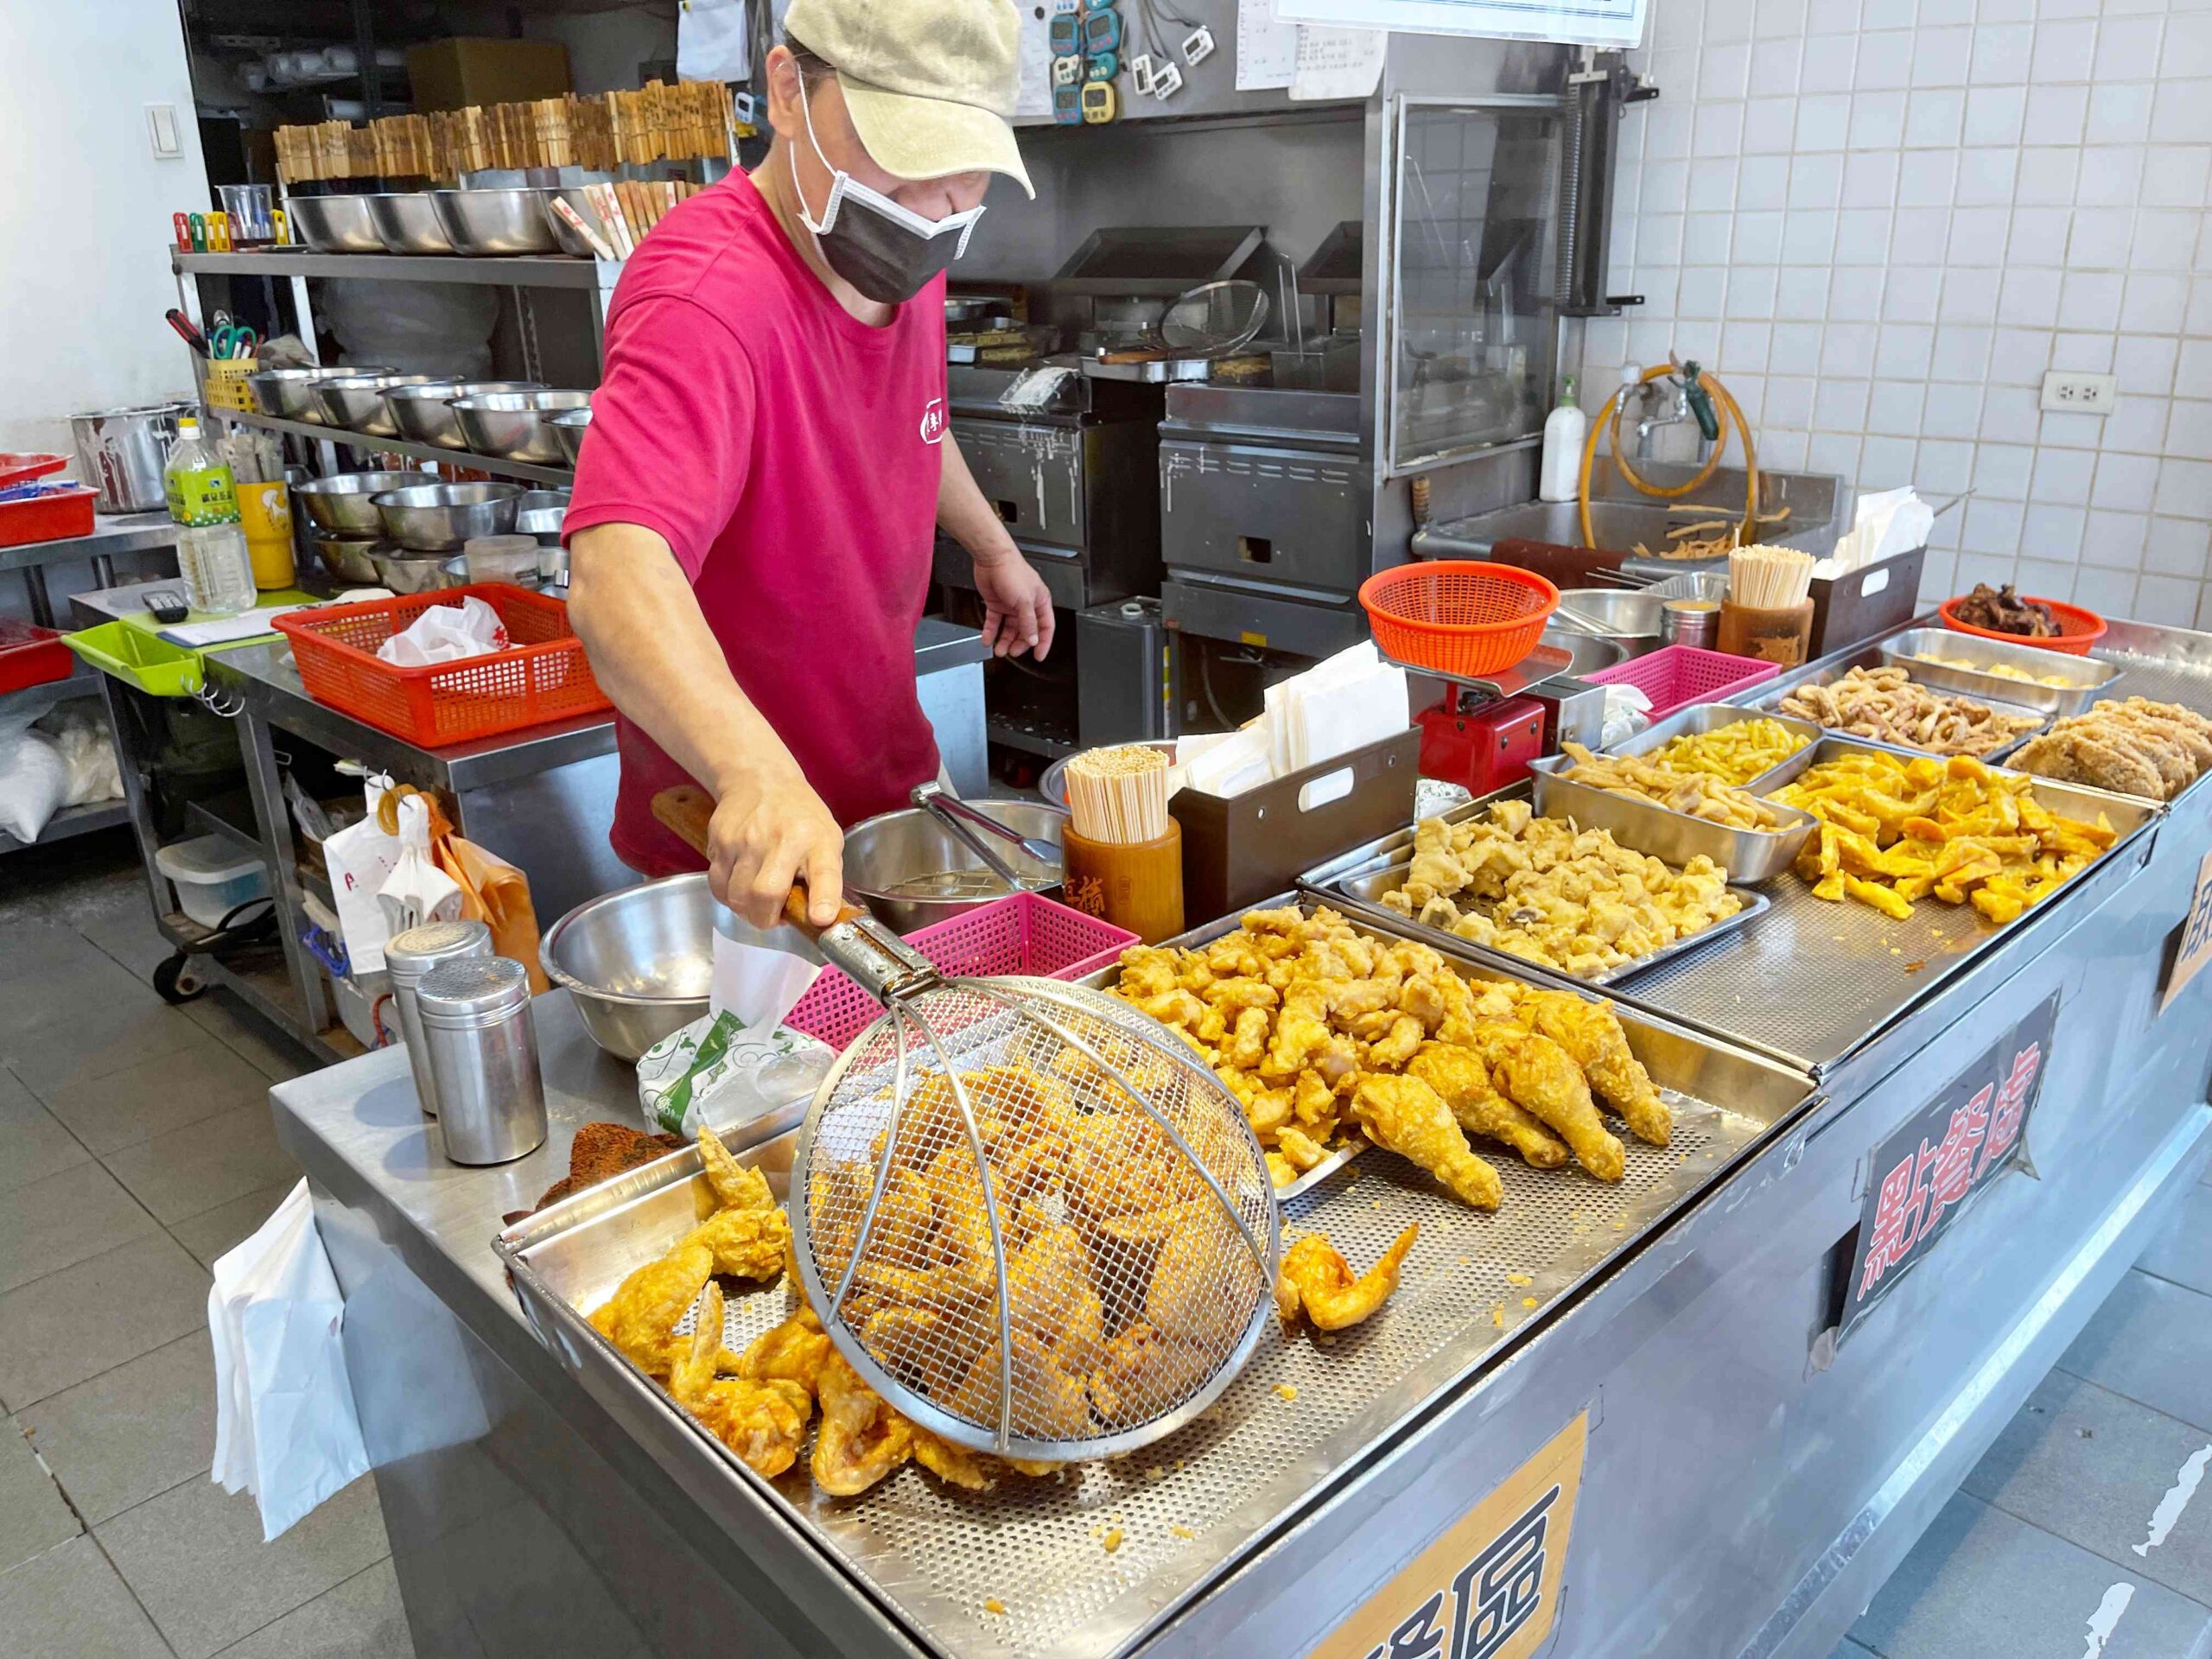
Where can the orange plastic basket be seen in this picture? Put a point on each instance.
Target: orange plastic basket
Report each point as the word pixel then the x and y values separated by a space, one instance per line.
pixel 542 677
pixel 2077 629
pixel 1458 616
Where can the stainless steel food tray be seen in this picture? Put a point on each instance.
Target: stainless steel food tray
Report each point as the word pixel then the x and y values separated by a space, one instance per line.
pixel 1873 655
pixel 1749 856
pixel 2093 679
pixel 1703 717
pixel 2164 664
pixel 1301 1417
pixel 1815 980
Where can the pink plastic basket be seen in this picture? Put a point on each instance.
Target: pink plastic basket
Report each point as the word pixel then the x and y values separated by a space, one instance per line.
pixel 1674 676
pixel 1022 934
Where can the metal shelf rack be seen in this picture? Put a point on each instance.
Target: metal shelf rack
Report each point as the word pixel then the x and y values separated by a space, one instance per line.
pixel 560 476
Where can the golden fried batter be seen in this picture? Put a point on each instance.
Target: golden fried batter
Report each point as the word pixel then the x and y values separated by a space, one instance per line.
pixel 747 1243
pixel 1315 1275
pixel 737 1186
pixel 1590 1033
pixel 862 1440
pixel 1050 1400
pixel 794 1351
pixel 1537 1073
pixel 1407 1117
pixel 641 1315
pixel 1458 1075
pixel 974 1471
pixel 1142 1375
pixel 762 1422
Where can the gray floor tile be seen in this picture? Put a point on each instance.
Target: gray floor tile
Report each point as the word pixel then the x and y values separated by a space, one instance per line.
pixel 70 1601
pixel 195 1557
pixel 33 1517
pixel 2091 1466
pixel 2150 1341
pixel 188 1172
pixel 2183 1250
pixel 1982 1584
pixel 51 1223
pixel 132 1433
pixel 125 930
pixel 73 1324
pixel 82 1027
pixel 251 1036
pixel 362 1618
pixel 201 1080
pixel 33 1143
pixel 213 1232
pixel 1848 1648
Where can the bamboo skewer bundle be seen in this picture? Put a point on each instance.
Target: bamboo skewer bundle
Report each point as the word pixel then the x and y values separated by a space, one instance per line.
pixel 1119 796
pixel 1769 578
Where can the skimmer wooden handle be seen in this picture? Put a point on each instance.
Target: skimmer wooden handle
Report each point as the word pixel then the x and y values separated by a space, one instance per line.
pixel 688 811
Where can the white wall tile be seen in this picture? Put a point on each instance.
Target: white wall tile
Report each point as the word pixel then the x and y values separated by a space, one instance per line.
pixel 1920 236
pixel 2154 303
pixel 1934 13
pixel 2001 53
pixel 2062 50
pixel 1815 181
pixel 2082 353
pixel 2114 540
pixel 2189 430
pixel 1756 239
pixel 1823 123
pixel 1726 20
pixel 1975 568
pixel 2090 299
pixel 2111 176
pixel 1722 71
pixel 1855 292
pixel 1849 348
pixel 2165 596
pixel 1744 345
pixel 2056 115
pixel 1833 452
pixel 1830 64
pixel 2010 415
pixel 1712 186
pixel 1769 124
pixel 2039 236
pixel 1774 71
pixel 2136 425
pixel 1700 292
pixel 1928 178
pixel 1989 175
pixel 1795 348
pixel 2174 174
pixel 1802 296
pixel 1789 401
pixel 2052 532
pixel 1909 294
pixel 1978 236
pixel 1961 352
pixel 2180 113
pixel 2001 470
pixel 2195 367
pixel 2119 114
pixel 1888 13
pixel 2127 48
pixel 1950 411
pixel 1940 56
pixel 2100 238
pixel 1784 18
pixel 1894 408
pixel 1762 183
pixel 2176 547
pixel 2044 578
pixel 2029 298
pixel 1944 466
pixel 1784 450
pixel 2165 239
pixel 1993 526
pixel 2043 178
pixel 1876 120
pixel 1662 187
pixel 1751 292
pixel 1840 406
pixel 1937 574
pixel 2184 489
pixel 1932 119
pixel 1809 239
pixel 2017 357
pixel 1885 463
pixel 1706 238
pixel 2109 593
pixel 2072 431
pixel 1885 59
pixel 1718 129
pixel 2062 476
pixel 2199 314
pixel 2146 365
pixel 1993 115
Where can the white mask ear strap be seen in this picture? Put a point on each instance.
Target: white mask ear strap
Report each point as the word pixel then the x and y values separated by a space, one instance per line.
pixel 837 174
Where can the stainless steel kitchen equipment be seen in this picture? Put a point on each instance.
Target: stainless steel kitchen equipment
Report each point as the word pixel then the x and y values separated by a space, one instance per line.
pixel 1703 717
pixel 513 423
pixel 1932 655
pixel 1749 856
pixel 356 402
pixel 407 957
pixel 334 224
pixel 476 1023
pixel 1124 692
pixel 121 452
pixel 910 871
pixel 406 222
pixel 495 221
pixel 569 428
pixel 1768 698
pixel 441 518
pixel 344 503
pixel 350 559
pixel 285 392
pixel 1621 614
pixel 541 513
pixel 406 570
pixel 423 413
pixel 640 961
pixel 988 833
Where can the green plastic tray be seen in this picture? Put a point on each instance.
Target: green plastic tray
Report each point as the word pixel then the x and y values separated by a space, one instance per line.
pixel 137 657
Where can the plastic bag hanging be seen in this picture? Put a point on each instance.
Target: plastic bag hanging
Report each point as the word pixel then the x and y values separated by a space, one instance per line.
pixel 418 891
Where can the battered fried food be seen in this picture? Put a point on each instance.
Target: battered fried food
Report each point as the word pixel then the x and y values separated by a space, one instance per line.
pixel 1409 1118
pixel 1317 1278
pixel 1458 1075
pixel 2133 746
pixel 1536 1073
pixel 794 1351
pixel 1696 793
pixel 1735 753
pixel 862 1440
pixel 1592 1036
pixel 974 1471
pixel 747 1243
pixel 640 1317
pixel 762 1422
pixel 736 1186
pixel 1889 706
pixel 1142 1373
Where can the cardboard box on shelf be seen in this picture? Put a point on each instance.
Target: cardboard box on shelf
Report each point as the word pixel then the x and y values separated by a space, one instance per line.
pixel 452 73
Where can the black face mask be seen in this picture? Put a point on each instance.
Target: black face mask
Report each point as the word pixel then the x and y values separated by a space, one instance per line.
pixel 885 250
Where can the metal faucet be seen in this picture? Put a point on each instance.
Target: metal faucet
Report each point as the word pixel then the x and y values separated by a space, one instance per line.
pixel 1650 392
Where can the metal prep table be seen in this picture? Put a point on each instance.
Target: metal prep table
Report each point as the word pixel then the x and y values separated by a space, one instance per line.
pixel 1747 1481
pixel 542 798
pixel 113 534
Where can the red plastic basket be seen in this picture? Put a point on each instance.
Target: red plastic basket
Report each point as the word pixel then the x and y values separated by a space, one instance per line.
pixel 1021 934
pixel 2077 629
pixel 31 656
pixel 543 675
pixel 1674 676
pixel 1458 616
pixel 61 512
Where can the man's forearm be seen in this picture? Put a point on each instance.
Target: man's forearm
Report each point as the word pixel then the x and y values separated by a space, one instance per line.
pixel 652 650
pixel 963 513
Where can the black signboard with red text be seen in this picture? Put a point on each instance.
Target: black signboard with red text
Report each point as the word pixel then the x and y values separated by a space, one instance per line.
pixel 1939 1159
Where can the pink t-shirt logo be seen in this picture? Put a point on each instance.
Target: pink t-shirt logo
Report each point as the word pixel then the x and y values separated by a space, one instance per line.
pixel 934 421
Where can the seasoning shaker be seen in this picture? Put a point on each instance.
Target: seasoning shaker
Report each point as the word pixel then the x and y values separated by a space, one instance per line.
pixel 1690 622
pixel 482 1045
pixel 407 957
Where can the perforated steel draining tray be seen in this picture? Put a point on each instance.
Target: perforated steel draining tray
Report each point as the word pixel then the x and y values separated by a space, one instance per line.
pixel 1768 700
pixel 1294 1426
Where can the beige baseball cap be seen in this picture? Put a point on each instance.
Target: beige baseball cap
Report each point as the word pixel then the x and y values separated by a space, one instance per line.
pixel 929 82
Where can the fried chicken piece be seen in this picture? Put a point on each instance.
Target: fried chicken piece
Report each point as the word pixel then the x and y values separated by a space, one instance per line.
pixel 1315 1275
pixel 794 1351
pixel 1409 1118
pixel 1458 1075
pixel 737 1186
pixel 1248 1042
pixel 1243 992
pixel 1144 1374
pixel 929 1349
pixel 641 1315
pixel 1302 1152
pixel 1189 1296
pixel 1396 1045
pixel 1314 1103
pixel 762 1422
pixel 862 1440
pixel 1536 1073
pixel 1591 1035
pixel 1175 1007
pixel 1269 1109
pixel 1300 1037
pixel 1050 1402
pixel 747 1243
pixel 974 1471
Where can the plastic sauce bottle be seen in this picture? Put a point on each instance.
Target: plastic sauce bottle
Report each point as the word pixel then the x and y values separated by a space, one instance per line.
pixel 1565 429
pixel 211 548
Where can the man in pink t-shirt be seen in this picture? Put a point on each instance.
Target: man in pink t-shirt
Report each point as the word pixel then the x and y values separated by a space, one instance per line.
pixel 750 534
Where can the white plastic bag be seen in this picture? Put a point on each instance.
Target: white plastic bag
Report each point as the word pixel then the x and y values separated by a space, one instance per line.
pixel 447 634
pixel 88 752
pixel 284 1425
pixel 417 890
pixel 34 782
pixel 717 1073
pixel 360 857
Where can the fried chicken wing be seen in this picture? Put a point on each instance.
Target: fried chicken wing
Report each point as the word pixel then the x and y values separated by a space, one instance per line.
pixel 974 1471
pixel 1316 1276
pixel 1143 1374
pixel 1050 1402
pixel 737 1186
pixel 1593 1035
pixel 762 1422
pixel 1536 1073
pixel 1395 1045
pixel 794 1351
pixel 747 1243
pixel 641 1315
pixel 1409 1118
pixel 862 1440
pixel 1458 1075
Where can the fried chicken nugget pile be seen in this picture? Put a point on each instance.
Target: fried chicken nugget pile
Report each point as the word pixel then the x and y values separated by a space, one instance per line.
pixel 1322 1032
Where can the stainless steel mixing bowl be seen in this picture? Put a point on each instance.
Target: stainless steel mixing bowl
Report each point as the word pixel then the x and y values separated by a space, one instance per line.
pixel 541 513
pixel 341 504
pixel 511 425
pixel 640 960
pixel 356 401
pixel 285 392
pixel 423 413
pixel 569 429
pixel 349 560
pixel 441 518
pixel 570 241
pixel 334 224
pixel 1625 615
pixel 406 223
pixel 495 221
pixel 404 571
pixel 910 870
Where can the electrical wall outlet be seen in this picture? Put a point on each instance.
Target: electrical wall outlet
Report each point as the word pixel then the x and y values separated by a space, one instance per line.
pixel 2080 394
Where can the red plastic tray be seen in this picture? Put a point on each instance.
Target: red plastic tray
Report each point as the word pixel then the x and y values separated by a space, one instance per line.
pixel 543 677
pixel 1021 934
pixel 31 656
pixel 19 467
pixel 1674 676
pixel 52 517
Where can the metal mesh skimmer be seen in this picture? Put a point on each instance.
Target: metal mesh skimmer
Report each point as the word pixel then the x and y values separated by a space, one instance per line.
pixel 1031 1217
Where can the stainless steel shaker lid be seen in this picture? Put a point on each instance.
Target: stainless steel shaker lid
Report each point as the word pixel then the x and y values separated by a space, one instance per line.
pixel 466 990
pixel 409 956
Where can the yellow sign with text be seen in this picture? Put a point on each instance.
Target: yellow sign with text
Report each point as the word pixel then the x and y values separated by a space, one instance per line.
pixel 1489 1588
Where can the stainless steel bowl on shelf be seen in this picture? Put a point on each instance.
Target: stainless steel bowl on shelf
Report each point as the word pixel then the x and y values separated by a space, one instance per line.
pixel 1621 614
pixel 511 425
pixel 569 429
pixel 423 413
pixel 569 241
pixel 334 224
pixel 541 513
pixel 287 393
pixel 640 960
pixel 349 559
pixel 343 504
pixel 910 870
pixel 441 518
pixel 480 222
pixel 356 401
pixel 406 223
pixel 405 571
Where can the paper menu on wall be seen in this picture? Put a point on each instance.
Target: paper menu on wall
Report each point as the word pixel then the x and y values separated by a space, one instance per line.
pixel 1589 22
pixel 1337 62
pixel 1266 47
